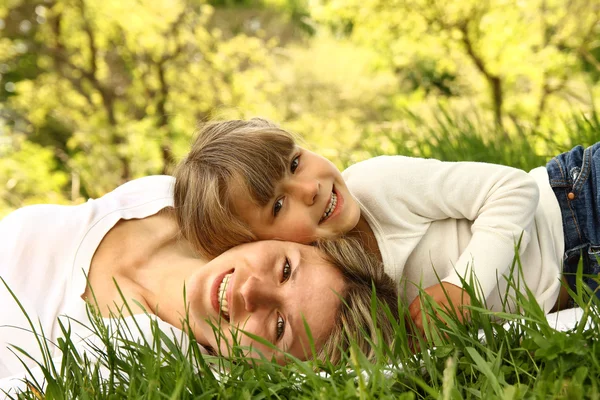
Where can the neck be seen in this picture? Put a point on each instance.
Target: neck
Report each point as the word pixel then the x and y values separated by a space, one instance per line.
pixel 165 283
pixel 363 232
pixel 165 287
pixel 164 263
pixel 150 262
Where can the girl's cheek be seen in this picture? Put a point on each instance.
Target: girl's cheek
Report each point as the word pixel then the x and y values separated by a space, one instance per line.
pixel 301 233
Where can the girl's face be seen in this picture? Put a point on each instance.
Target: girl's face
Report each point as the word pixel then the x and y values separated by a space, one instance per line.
pixel 269 289
pixel 310 202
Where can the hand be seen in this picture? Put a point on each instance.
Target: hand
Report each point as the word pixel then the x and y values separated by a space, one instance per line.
pixel 448 296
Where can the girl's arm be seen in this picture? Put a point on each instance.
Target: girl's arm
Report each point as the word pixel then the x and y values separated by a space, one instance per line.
pixel 406 194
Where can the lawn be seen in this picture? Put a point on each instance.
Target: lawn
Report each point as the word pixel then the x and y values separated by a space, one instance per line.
pixel 496 355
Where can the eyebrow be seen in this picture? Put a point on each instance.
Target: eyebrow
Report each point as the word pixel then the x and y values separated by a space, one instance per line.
pixel 295 271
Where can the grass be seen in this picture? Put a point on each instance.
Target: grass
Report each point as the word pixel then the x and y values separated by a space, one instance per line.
pixel 456 137
pixel 484 359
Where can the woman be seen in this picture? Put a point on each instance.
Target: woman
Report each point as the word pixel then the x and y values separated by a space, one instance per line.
pixel 57 259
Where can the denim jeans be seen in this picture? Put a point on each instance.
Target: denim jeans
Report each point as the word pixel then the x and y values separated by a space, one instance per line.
pixel 575 179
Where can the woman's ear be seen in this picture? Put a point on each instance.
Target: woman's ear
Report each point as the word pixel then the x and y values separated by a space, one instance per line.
pixel 210 350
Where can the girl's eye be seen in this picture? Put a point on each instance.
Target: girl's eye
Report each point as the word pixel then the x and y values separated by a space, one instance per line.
pixel 277 207
pixel 294 164
pixel 280 328
pixel 287 270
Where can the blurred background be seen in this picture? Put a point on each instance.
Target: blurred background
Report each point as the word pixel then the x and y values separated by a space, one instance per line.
pixel 97 92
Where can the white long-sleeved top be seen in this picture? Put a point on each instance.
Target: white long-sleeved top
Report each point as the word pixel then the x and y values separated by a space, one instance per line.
pixel 441 219
pixel 45 255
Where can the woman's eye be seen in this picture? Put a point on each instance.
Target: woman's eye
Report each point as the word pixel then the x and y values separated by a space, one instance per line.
pixel 294 164
pixel 280 329
pixel 277 207
pixel 287 271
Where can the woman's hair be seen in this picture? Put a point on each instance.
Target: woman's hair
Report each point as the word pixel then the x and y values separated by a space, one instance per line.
pixel 354 321
pixel 255 153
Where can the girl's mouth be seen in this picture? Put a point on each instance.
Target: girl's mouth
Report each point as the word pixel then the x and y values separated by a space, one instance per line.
pixel 332 206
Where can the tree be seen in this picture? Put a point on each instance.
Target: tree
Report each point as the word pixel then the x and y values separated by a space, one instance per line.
pixel 121 85
pixel 523 51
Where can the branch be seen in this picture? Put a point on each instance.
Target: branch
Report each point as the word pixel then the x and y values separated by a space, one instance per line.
pixel 547 91
pixel 576 96
pixel 91 38
pixel 61 58
pixel 589 58
pixel 471 51
pixel 163 120
pixel 173 30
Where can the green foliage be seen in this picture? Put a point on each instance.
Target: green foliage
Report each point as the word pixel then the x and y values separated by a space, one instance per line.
pixel 38 183
pixel 516 58
pixel 112 90
pixel 119 85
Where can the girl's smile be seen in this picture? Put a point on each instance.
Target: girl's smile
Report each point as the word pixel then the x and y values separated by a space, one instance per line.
pixel 310 202
pixel 334 206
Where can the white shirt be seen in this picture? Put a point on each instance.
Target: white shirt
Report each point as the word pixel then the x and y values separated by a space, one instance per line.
pixel 45 255
pixel 441 219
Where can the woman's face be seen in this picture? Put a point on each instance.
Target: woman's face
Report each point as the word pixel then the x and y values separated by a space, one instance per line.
pixel 269 289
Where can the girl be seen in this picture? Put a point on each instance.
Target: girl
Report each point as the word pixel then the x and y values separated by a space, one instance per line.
pixel 425 219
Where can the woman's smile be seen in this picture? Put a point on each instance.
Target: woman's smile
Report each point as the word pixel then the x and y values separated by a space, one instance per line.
pixel 220 294
pixel 268 289
pixel 223 295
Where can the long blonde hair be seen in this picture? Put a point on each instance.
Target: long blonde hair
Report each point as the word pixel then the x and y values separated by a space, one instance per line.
pixel 354 321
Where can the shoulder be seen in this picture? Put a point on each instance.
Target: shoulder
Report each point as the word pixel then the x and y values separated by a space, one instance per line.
pixel 137 192
pixel 415 169
pixel 36 218
pixel 384 173
pixel 160 184
pixel 376 162
pixel 387 165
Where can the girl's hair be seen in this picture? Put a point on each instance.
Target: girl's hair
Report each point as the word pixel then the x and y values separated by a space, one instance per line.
pixel 354 322
pixel 254 153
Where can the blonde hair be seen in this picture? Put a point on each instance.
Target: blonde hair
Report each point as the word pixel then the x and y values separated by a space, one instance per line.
pixel 354 322
pixel 255 152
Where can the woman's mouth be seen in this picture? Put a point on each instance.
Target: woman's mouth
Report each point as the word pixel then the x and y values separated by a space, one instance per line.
pixel 332 206
pixel 220 298
pixel 223 296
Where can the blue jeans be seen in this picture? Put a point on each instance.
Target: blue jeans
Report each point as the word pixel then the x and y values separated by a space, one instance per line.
pixel 575 179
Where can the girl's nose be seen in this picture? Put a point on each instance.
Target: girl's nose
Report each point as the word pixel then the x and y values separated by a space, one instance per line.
pixel 306 190
pixel 256 294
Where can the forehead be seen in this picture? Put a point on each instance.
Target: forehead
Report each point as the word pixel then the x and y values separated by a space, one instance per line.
pixel 242 202
pixel 318 290
pixel 257 174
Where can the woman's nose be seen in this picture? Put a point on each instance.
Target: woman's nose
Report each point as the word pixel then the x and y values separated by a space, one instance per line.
pixel 305 189
pixel 256 294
